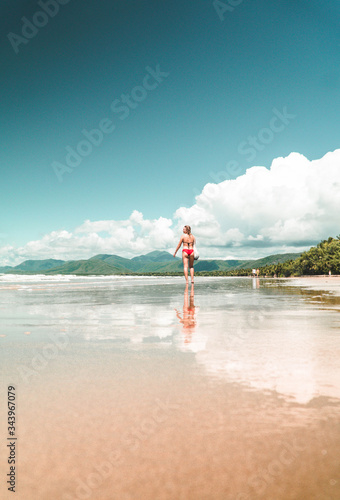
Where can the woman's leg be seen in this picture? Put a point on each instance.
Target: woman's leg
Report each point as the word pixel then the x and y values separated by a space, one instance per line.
pixel 185 265
pixel 191 265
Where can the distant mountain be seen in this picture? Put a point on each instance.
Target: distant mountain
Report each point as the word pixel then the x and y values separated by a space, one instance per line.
pixel 115 261
pixel 155 256
pixel 87 267
pixel 216 265
pixel 266 261
pixel 38 265
pixel 5 268
pixel 152 262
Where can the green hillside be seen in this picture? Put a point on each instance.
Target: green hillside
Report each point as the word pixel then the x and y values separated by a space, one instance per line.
pixel 266 261
pixel 216 265
pixel 151 262
pixel 156 261
pixel 155 256
pixel 86 267
pixel 38 265
pixel 115 261
pixel 4 269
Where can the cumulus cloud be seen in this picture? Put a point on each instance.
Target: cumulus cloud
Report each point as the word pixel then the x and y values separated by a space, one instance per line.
pixel 286 208
pixel 128 238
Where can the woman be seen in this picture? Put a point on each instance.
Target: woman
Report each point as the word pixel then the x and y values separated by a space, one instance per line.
pixel 188 241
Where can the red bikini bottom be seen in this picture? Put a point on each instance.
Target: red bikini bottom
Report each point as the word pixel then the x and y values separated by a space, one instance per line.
pixel 187 251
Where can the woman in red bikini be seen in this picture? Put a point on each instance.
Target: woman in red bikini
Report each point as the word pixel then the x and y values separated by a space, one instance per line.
pixel 188 241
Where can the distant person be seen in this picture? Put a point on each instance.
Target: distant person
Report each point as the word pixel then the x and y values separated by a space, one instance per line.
pixel 254 273
pixel 188 241
pixel 257 273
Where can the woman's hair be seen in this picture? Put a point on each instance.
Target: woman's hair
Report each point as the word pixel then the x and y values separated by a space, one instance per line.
pixel 188 228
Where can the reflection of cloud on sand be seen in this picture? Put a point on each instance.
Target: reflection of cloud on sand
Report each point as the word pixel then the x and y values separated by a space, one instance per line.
pixel 91 309
pixel 275 354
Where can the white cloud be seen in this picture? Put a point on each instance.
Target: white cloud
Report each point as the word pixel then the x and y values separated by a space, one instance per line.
pixel 286 208
pixel 130 237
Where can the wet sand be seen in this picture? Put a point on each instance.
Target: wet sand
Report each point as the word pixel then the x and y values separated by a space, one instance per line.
pixel 152 394
pixel 323 283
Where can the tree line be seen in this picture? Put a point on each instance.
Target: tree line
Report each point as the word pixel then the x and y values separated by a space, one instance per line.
pixel 322 259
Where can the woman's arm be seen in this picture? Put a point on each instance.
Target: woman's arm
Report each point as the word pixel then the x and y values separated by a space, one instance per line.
pixel 179 244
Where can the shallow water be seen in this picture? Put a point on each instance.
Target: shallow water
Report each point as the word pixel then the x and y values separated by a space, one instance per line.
pixel 138 388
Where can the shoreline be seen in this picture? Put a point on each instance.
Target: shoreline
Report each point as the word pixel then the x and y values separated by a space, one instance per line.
pixel 198 274
pixel 319 283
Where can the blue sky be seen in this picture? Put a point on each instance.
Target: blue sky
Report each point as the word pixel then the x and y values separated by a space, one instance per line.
pixel 225 78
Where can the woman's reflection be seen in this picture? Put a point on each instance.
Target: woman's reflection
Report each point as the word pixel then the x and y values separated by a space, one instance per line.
pixel 188 319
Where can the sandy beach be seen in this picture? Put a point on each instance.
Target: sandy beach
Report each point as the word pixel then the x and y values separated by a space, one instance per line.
pixel 132 389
